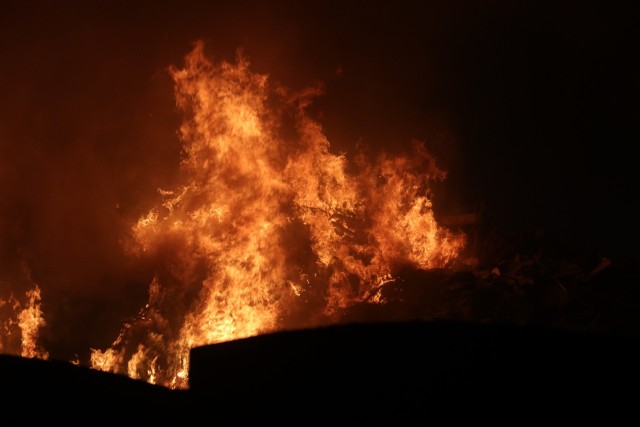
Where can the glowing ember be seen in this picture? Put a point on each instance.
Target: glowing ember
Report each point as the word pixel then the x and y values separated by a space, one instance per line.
pixel 270 230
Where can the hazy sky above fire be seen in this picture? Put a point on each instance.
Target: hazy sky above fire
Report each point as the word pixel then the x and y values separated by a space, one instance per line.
pixel 522 103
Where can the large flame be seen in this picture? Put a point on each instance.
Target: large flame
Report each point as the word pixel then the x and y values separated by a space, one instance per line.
pixel 270 230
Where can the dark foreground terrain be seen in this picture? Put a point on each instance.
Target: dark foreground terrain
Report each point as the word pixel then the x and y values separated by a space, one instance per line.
pixel 390 373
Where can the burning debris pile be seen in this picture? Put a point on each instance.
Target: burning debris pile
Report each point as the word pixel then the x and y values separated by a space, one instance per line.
pixel 271 231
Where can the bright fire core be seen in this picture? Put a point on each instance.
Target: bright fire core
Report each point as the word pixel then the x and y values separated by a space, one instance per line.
pixel 269 230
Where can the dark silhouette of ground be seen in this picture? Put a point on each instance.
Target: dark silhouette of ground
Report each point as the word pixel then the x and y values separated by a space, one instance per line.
pixel 396 373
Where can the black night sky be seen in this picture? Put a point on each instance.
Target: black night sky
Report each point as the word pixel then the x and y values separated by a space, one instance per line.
pixel 529 106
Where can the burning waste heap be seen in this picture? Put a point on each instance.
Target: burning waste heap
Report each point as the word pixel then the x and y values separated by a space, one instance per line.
pixel 270 231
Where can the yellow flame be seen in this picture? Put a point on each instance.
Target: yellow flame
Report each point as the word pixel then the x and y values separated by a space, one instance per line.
pixel 21 328
pixel 269 231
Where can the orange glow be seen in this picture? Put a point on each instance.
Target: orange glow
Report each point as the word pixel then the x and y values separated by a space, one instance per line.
pixel 269 230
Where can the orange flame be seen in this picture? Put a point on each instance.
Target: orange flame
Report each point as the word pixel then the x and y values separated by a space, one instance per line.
pixel 20 329
pixel 269 231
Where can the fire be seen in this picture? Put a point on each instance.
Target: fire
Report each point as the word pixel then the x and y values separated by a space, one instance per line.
pixel 270 229
pixel 20 329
